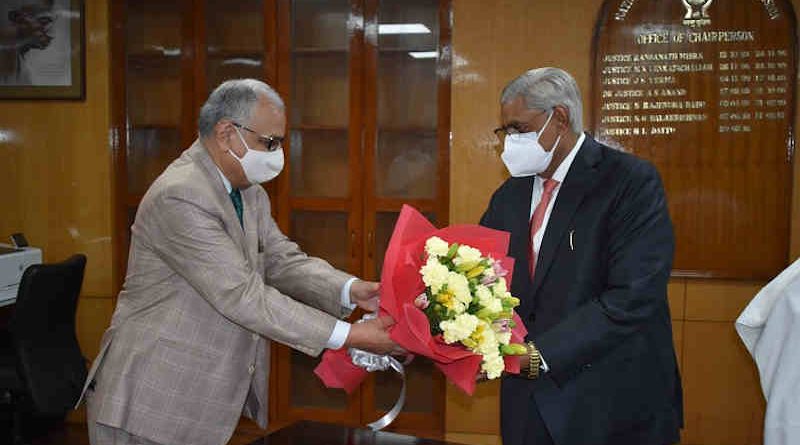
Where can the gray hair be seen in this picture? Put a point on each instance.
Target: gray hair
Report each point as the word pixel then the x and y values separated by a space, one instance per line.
pixel 543 89
pixel 234 100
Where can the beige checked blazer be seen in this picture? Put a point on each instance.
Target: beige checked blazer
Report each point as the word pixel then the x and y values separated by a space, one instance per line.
pixel 187 349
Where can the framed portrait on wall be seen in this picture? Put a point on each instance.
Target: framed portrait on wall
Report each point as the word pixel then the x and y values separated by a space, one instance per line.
pixel 41 49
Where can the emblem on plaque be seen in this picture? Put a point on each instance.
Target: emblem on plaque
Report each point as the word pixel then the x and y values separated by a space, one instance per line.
pixel 696 12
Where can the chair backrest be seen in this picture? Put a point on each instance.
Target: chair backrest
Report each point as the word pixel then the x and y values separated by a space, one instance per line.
pixel 43 332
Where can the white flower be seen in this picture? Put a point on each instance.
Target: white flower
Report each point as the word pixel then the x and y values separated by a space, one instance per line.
pixel 493 366
pixel 436 246
pixel 500 288
pixel 434 274
pixel 488 342
pixel 459 286
pixel 459 328
pixel 495 305
pixel 467 254
pixel 503 338
pixel 484 295
pixel 458 307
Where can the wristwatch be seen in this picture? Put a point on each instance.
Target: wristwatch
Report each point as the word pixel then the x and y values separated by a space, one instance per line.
pixel 534 361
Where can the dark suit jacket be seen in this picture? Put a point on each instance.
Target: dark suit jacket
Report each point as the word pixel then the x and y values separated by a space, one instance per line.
pixel 597 309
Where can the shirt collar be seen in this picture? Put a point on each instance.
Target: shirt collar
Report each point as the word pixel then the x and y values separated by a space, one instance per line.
pixel 563 169
pixel 225 181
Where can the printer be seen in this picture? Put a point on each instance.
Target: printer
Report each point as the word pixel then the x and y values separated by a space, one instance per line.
pixel 13 262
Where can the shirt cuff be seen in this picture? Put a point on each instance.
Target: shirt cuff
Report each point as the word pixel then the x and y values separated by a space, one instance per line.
pixel 543 364
pixel 345 297
pixel 339 335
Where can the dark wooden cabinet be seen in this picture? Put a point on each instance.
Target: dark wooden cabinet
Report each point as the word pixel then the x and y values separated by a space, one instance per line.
pixel 367 89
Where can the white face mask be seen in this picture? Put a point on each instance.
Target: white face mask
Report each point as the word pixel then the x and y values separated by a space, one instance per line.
pixel 524 155
pixel 259 166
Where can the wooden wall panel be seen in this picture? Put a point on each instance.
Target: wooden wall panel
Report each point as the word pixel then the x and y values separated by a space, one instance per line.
pixel 719 301
pixel 476 414
pixel 493 42
pixel 722 395
pixel 676 292
pixel 474 439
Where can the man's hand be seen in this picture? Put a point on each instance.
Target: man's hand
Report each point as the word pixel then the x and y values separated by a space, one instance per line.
pixel 365 295
pixel 372 336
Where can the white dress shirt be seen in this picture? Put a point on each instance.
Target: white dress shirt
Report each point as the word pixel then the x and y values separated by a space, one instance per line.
pixel 770 329
pixel 342 328
pixel 536 197
pixel 538 189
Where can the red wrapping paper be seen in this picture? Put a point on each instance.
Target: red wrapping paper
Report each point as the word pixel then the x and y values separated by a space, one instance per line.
pixel 401 283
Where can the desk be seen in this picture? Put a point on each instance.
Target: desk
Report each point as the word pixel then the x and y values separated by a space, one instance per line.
pixel 313 433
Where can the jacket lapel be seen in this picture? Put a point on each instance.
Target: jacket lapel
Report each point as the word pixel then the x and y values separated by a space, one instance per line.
pixel 581 178
pixel 250 218
pixel 520 223
pixel 198 152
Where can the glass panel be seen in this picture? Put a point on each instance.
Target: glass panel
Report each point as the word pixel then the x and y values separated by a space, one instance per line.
pixel 320 24
pixel 406 162
pixel 153 89
pixel 222 68
pixel 420 372
pixel 307 389
pixel 406 91
pixel 235 40
pixel 150 150
pixel 320 97
pixel 324 235
pixel 318 162
pixel 319 106
pixel 154 27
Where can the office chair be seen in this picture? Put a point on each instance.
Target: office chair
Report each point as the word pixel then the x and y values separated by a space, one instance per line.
pixel 42 370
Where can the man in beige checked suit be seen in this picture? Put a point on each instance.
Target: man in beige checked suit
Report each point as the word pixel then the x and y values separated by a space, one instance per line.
pixel 211 280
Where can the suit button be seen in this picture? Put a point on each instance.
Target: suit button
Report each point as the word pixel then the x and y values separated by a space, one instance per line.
pixel 251 369
pixel 255 336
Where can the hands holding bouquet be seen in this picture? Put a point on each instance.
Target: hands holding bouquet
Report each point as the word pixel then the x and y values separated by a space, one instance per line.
pixel 446 290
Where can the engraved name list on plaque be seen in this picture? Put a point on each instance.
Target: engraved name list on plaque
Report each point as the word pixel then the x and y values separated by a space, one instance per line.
pixel 705 90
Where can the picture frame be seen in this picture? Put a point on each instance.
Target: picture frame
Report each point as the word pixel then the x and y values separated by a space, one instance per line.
pixel 42 46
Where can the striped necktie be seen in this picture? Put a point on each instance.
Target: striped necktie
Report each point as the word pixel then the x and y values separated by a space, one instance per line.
pixel 236 197
pixel 537 220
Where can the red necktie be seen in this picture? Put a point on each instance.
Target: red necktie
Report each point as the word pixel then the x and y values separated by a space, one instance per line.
pixel 538 218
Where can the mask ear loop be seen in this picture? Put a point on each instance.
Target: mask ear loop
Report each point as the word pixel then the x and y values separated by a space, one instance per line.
pixel 247 147
pixel 558 139
pixel 539 134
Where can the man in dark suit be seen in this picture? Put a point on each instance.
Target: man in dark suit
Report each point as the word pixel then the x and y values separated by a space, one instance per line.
pixel 593 244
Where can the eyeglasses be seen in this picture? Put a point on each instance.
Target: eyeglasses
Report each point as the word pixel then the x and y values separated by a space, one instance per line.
pixel 515 128
pixel 271 143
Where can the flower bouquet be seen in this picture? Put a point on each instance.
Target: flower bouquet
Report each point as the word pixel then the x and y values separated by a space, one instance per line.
pixel 447 291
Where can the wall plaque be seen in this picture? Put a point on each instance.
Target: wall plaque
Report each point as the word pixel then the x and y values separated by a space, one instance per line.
pixel 705 90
